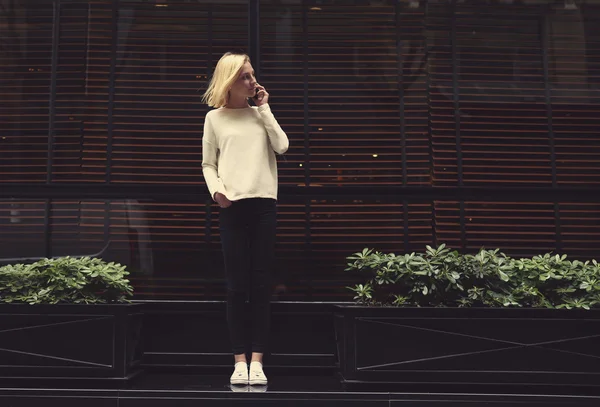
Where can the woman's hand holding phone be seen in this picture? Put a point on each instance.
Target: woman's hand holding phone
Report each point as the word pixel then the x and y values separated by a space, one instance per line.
pixel 262 96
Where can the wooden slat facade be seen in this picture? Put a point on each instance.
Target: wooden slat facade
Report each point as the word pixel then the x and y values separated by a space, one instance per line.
pixel 392 110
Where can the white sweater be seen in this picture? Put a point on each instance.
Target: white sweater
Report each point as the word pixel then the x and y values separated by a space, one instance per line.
pixel 238 152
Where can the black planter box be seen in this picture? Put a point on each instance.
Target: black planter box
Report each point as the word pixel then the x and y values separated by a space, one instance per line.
pixel 71 343
pixel 469 349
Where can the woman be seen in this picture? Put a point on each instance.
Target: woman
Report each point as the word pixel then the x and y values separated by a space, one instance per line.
pixel 240 170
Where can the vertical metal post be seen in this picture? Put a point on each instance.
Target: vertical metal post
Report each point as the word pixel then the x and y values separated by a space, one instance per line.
pixel 307 202
pixel 557 228
pixel 545 39
pixel 47 228
pixel 463 227
pixel 405 211
pixel 106 228
pixel 254 34
pixel 456 90
pixel 111 90
pixel 51 131
pixel 209 202
pixel 209 62
pixel 306 109
pixel 428 87
pixel 400 84
pixel 543 27
pixel 208 233
pixel 87 49
pixel 111 105
pixel 434 239
pixel 52 97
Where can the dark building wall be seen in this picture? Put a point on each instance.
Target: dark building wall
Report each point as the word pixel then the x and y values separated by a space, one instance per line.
pixel 411 124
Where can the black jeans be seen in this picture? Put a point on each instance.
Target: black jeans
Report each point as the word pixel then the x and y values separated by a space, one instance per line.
pixel 248 232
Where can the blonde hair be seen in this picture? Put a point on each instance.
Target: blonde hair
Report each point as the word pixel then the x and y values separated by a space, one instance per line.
pixel 225 74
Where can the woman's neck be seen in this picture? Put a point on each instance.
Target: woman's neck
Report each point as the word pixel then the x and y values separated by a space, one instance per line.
pixel 234 103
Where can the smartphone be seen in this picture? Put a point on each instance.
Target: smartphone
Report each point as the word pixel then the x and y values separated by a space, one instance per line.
pixel 255 97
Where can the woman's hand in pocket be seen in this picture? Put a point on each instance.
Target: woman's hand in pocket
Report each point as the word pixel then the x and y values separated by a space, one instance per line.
pixel 222 200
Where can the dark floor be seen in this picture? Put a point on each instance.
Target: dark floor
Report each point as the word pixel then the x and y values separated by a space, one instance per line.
pixel 154 390
pixel 219 383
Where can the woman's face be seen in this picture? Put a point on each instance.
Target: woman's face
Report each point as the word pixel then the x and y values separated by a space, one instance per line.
pixel 245 85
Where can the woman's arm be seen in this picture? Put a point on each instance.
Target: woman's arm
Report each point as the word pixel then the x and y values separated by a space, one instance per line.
pixel 277 137
pixel 209 160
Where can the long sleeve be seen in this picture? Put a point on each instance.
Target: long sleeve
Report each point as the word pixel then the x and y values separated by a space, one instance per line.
pixel 277 137
pixel 210 154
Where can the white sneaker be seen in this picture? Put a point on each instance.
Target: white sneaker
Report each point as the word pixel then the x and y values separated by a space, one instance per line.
pixel 240 374
pixel 257 376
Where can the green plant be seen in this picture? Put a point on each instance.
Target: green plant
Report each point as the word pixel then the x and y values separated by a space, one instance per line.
pixel 65 280
pixel 424 280
pixel 561 283
pixel 441 277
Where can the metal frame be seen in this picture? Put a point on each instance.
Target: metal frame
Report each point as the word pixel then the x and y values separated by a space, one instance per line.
pixel 400 66
pixel 457 113
pixel 306 109
pixel 429 121
pixel 307 131
pixel 53 77
pixel 543 31
pixel 455 91
pixel 51 115
pixel 399 193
